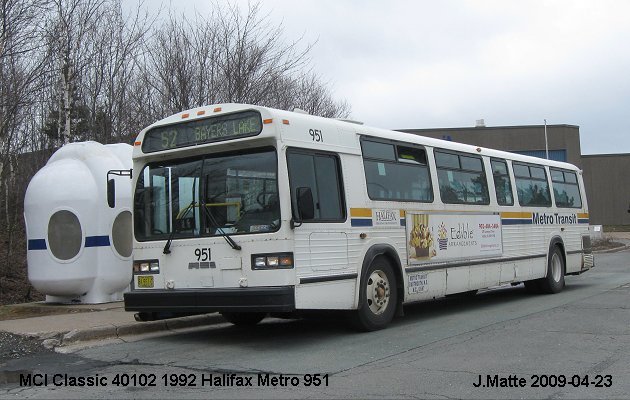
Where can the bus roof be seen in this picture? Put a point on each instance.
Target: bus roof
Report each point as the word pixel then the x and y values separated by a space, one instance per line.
pixel 348 126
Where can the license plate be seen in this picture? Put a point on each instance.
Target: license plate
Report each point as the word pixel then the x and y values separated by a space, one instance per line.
pixel 145 281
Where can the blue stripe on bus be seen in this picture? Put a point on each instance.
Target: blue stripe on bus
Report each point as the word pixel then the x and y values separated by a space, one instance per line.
pixel 37 244
pixel 96 241
pixel 516 221
pixel 583 221
pixel 403 222
pixel 360 222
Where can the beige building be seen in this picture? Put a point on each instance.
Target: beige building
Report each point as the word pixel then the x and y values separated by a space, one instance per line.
pixel 606 176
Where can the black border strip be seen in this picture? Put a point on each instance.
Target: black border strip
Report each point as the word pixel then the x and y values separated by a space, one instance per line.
pixel 577 252
pixel 471 263
pixel 317 279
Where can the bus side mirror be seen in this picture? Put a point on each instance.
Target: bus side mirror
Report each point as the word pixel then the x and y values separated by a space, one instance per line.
pixel 111 193
pixel 111 184
pixel 305 204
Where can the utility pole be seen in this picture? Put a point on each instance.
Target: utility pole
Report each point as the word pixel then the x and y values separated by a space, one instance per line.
pixel 546 145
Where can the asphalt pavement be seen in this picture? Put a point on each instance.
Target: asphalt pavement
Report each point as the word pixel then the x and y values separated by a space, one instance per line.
pixel 58 325
pixel 61 325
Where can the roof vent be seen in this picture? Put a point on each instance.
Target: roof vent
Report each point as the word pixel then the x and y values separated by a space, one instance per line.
pixel 300 111
pixel 480 123
pixel 349 121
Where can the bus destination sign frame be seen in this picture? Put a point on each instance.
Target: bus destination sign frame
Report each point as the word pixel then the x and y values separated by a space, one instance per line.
pixel 202 131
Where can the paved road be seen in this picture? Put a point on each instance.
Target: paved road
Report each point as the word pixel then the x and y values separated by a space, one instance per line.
pixel 440 349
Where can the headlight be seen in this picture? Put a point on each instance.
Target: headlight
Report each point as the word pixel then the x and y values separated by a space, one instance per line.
pixel 146 267
pixel 260 262
pixel 272 261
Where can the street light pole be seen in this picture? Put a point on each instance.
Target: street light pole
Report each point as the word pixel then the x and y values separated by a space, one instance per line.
pixel 546 145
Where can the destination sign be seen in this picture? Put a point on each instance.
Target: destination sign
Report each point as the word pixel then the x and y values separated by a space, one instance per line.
pixel 202 131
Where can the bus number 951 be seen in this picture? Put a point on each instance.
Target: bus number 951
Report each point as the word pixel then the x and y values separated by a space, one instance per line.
pixel 202 254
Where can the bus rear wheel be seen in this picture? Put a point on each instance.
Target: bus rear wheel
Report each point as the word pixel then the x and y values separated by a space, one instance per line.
pixel 244 318
pixel 553 282
pixel 377 296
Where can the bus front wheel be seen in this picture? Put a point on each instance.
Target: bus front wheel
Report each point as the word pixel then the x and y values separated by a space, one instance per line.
pixel 244 318
pixel 377 296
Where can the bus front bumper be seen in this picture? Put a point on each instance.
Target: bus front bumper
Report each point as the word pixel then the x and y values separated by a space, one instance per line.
pixel 251 299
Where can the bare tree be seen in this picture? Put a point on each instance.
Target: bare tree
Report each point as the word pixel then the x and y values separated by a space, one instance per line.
pixel 71 53
pixel 232 55
pixel 20 69
pixel 85 70
pixel 106 84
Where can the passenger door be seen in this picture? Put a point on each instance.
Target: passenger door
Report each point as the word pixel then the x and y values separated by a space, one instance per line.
pixel 321 243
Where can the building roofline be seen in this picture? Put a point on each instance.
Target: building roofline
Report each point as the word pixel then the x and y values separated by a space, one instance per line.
pixel 606 155
pixel 414 130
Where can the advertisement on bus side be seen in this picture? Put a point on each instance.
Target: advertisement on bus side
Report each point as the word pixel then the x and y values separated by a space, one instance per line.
pixel 443 237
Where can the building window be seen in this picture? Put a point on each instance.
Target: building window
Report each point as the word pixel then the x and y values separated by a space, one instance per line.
pixel 565 189
pixel 531 185
pixel 556 155
pixel 502 184
pixel 462 178
pixel 396 172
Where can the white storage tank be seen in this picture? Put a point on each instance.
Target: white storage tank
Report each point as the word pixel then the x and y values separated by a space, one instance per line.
pixel 79 249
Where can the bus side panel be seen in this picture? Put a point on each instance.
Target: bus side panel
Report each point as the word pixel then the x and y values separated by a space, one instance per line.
pixel 458 280
pixel 573 246
pixel 325 278
pixel 425 285
pixel 334 295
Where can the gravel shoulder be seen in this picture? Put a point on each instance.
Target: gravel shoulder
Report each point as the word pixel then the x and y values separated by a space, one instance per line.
pixel 16 346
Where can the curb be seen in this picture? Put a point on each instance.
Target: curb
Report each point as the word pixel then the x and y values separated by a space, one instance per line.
pixel 75 336
pixel 613 250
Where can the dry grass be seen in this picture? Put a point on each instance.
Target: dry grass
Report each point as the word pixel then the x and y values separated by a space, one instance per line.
pixel 605 244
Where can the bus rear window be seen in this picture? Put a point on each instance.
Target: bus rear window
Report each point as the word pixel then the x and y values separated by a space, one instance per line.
pixel 565 189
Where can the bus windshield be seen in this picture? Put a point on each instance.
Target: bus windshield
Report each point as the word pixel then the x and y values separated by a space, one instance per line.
pixel 236 193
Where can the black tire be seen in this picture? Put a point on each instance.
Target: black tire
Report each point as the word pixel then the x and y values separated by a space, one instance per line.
pixel 378 296
pixel 244 318
pixel 554 281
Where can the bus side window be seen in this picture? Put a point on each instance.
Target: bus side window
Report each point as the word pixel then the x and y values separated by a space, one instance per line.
pixel 321 173
pixel 396 172
pixel 502 184
pixel 565 189
pixel 462 178
pixel 531 185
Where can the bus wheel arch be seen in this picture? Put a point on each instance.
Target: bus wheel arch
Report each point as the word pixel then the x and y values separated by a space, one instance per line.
pixel 381 264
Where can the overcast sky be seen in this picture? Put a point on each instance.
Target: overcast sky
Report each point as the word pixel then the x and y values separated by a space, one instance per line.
pixel 443 64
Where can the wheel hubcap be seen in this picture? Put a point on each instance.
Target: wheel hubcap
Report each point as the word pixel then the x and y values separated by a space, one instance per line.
pixel 377 292
pixel 556 267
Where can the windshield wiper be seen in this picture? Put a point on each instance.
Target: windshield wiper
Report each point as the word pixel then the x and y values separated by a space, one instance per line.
pixel 227 237
pixel 167 246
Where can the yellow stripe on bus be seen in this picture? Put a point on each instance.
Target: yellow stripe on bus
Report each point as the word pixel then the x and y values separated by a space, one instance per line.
pixel 582 215
pixel 361 212
pixel 516 215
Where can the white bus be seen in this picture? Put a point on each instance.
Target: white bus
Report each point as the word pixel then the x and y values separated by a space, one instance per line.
pixel 248 210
